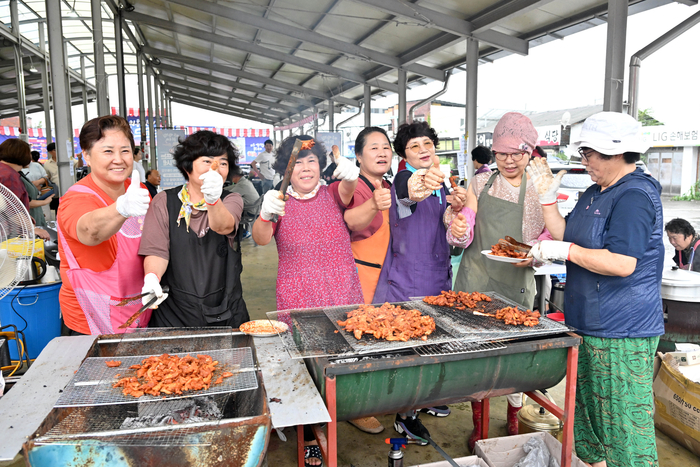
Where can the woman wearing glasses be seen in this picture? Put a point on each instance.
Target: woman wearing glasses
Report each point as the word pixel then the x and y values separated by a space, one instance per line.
pixel 612 242
pixel 505 203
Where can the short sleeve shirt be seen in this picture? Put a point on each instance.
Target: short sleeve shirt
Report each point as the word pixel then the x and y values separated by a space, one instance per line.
pixel 13 181
pixel 155 240
pixel 264 162
pixel 362 194
pixel 97 258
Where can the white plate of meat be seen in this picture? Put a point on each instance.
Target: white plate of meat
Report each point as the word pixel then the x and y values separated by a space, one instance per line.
pixel 503 259
pixel 263 328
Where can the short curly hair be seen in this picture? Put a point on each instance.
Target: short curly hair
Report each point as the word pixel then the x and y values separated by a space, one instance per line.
pixel 284 151
pixel 204 143
pixel 408 131
pixel 482 155
pixel 680 226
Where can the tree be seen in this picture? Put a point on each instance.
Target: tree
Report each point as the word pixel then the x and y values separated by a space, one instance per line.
pixel 646 119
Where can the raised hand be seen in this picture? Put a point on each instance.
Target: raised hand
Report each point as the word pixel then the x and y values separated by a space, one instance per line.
pixel 459 226
pixel 381 196
pixel 545 182
pixel 136 200
pixel 345 170
pixel 212 185
pixel 459 198
pixel 434 178
pixel 273 204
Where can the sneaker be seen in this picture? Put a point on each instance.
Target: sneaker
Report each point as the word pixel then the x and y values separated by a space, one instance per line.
pixel 412 428
pixel 437 411
pixel 367 424
pixel 247 234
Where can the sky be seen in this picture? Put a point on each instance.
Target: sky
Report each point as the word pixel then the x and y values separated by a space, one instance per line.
pixel 558 75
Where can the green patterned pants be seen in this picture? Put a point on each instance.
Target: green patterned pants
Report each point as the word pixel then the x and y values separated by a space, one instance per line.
pixel 614 402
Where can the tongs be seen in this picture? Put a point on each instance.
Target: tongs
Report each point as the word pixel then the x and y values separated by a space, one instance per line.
pixel 128 300
pixel 510 242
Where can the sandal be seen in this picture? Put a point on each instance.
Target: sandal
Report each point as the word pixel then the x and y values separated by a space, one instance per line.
pixel 312 452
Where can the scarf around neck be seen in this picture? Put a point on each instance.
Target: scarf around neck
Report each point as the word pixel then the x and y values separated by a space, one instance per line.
pixel 187 206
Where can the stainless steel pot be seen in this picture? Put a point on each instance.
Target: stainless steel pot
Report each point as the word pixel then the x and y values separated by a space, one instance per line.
pixel 557 296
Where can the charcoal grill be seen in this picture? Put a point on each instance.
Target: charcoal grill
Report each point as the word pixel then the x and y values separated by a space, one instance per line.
pixel 472 358
pixel 224 427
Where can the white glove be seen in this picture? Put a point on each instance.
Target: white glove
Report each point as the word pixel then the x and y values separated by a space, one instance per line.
pixel 135 201
pixel 550 250
pixel 346 170
pixel 272 204
pixel 212 186
pixel 545 182
pixel 151 285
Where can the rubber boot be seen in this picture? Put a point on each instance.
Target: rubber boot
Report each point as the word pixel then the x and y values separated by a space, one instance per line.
pixel 477 408
pixel 513 419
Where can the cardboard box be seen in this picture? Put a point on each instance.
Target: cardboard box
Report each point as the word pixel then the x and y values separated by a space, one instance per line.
pixel 508 450
pixel 677 401
pixel 462 461
pixel 686 358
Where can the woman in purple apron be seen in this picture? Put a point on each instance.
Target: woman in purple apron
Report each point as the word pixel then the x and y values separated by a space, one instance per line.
pixel 417 262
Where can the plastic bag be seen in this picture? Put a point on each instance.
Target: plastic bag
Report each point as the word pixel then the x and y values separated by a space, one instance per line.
pixel 537 455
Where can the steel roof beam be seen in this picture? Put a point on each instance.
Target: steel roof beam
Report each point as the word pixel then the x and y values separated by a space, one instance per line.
pixel 232 94
pixel 448 23
pixel 241 106
pixel 255 49
pixel 234 84
pixel 208 105
pixel 499 12
pixel 252 77
pixel 311 37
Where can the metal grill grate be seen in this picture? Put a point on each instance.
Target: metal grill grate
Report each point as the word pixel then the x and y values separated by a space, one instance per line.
pixel 167 423
pixel 457 347
pixel 368 343
pixel 92 383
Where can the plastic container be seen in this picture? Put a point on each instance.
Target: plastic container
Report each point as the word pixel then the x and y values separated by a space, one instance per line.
pixel 38 305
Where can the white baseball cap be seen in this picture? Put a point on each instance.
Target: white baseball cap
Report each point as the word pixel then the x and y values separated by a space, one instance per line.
pixel 612 133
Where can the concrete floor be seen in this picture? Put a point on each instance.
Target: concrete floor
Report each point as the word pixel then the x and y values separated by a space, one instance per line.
pixel 356 448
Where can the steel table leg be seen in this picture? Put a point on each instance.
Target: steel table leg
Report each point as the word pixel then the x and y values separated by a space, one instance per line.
pixel 485 407
pixel 300 445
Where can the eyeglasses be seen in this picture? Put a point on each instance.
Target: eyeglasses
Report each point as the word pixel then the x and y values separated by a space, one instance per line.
pixel 584 154
pixel 516 156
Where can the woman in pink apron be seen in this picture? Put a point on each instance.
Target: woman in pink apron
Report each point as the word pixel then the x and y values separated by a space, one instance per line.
pixel 99 229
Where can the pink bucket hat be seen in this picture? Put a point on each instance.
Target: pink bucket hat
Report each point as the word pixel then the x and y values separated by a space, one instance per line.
pixel 514 132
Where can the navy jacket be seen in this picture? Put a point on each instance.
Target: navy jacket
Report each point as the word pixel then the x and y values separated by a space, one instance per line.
pixel 608 306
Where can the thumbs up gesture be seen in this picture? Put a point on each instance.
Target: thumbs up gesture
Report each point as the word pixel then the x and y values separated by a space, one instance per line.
pixel 135 201
pixel 459 226
pixel 434 178
pixel 382 196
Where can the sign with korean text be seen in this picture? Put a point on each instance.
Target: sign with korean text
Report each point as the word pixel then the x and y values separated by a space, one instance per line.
pixel 669 136
pixel 166 140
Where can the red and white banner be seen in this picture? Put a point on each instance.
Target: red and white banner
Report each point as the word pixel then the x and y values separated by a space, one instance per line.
pixel 230 132
pixel 14 131
pixel 298 123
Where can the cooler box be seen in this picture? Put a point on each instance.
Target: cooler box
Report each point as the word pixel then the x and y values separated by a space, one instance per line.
pixel 35 310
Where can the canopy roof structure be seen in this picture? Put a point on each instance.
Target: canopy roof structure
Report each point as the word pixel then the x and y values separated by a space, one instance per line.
pixel 279 61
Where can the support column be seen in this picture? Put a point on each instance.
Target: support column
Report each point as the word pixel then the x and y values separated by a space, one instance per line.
pixel 615 56
pixel 170 112
pixel 315 123
pixel 331 115
pixel 62 103
pixel 164 110
pixel 156 99
pixel 85 90
pixel 402 98
pixel 46 94
pixel 119 49
pixel 470 107
pixel 19 70
pixel 151 121
pixel 368 105
pixel 100 75
pixel 142 108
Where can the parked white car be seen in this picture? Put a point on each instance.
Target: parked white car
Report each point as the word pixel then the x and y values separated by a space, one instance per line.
pixel 575 182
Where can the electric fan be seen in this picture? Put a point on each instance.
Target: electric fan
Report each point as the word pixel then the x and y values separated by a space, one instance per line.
pixel 16 240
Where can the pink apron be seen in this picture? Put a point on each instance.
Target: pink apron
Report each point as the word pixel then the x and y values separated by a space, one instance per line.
pixel 99 292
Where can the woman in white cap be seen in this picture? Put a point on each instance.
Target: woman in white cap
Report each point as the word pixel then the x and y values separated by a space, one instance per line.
pixel 614 253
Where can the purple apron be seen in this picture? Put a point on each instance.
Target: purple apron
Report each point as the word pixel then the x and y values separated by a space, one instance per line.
pixel 418 258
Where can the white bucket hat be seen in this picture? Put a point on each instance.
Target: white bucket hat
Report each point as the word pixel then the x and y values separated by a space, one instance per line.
pixel 612 133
